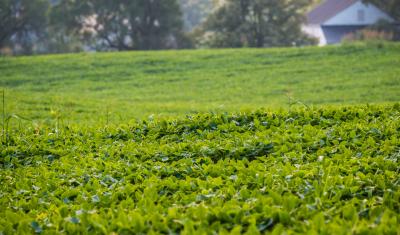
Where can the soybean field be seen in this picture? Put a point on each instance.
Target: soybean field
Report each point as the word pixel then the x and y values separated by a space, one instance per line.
pixel 233 141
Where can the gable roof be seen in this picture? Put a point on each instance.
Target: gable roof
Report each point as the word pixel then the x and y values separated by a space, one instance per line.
pixel 327 10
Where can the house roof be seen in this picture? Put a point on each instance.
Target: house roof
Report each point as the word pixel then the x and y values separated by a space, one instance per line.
pixel 327 10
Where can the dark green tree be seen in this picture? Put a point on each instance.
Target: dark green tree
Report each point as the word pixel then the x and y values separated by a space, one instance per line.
pixel 22 23
pixel 126 25
pixel 195 12
pixel 66 31
pixel 257 23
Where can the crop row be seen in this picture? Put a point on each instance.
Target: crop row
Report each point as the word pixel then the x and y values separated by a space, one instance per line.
pixel 320 171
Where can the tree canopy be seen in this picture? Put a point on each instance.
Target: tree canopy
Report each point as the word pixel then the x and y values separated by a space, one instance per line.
pixel 195 12
pixel 125 25
pixel 257 23
pixel 70 25
pixel 59 26
pixel 21 21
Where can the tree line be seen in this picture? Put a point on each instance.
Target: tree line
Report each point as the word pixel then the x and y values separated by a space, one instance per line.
pixel 60 26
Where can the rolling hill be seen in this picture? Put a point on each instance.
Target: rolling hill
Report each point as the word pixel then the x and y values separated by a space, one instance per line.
pixel 88 86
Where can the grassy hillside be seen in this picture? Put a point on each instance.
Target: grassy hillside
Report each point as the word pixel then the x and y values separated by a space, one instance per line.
pixel 85 87
pixel 320 171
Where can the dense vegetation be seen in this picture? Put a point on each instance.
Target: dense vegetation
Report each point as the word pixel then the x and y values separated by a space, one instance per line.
pixel 314 171
pixel 81 152
pixel 61 26
pixel 255 23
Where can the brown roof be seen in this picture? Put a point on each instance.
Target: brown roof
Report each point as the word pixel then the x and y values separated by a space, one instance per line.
pixel 327 10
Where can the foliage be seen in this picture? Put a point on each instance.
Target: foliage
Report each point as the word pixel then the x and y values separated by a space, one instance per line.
pixel 388 28
pixel 380 31
pixel 59 26
pixel 21 24
pixel 314 171
pixel 129 25
pixel 369 35
pixel 64 31
pixel 90 87
pixel 195 12
pixel 257 23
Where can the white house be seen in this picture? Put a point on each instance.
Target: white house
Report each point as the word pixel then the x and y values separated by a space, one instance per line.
pixel 333 19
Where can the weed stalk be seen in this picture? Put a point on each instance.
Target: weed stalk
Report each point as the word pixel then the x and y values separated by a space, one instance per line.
pixel 3 118
pixel 289 101
pixel 107 117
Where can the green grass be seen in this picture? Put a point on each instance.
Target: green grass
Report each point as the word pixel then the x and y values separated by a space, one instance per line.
pixel 83 87
pixel 318 171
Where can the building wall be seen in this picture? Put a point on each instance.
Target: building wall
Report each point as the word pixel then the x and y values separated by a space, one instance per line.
pixel 315 31
pixel 358 14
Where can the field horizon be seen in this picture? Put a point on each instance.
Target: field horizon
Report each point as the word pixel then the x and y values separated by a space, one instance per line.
pixel 120 86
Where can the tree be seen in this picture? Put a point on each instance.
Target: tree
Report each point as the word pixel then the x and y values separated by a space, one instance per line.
pixel 22 23
pixel 195 12
pixel 127 25
pixel 257 23
pixel 65 32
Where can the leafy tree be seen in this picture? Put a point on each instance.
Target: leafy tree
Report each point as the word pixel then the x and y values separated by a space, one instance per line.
pixel 195 12
pixel 66 32
pixel 22 23
pixel 257 23
pixel 127 25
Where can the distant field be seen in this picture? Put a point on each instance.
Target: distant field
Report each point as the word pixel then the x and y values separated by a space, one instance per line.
pixel 85 87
